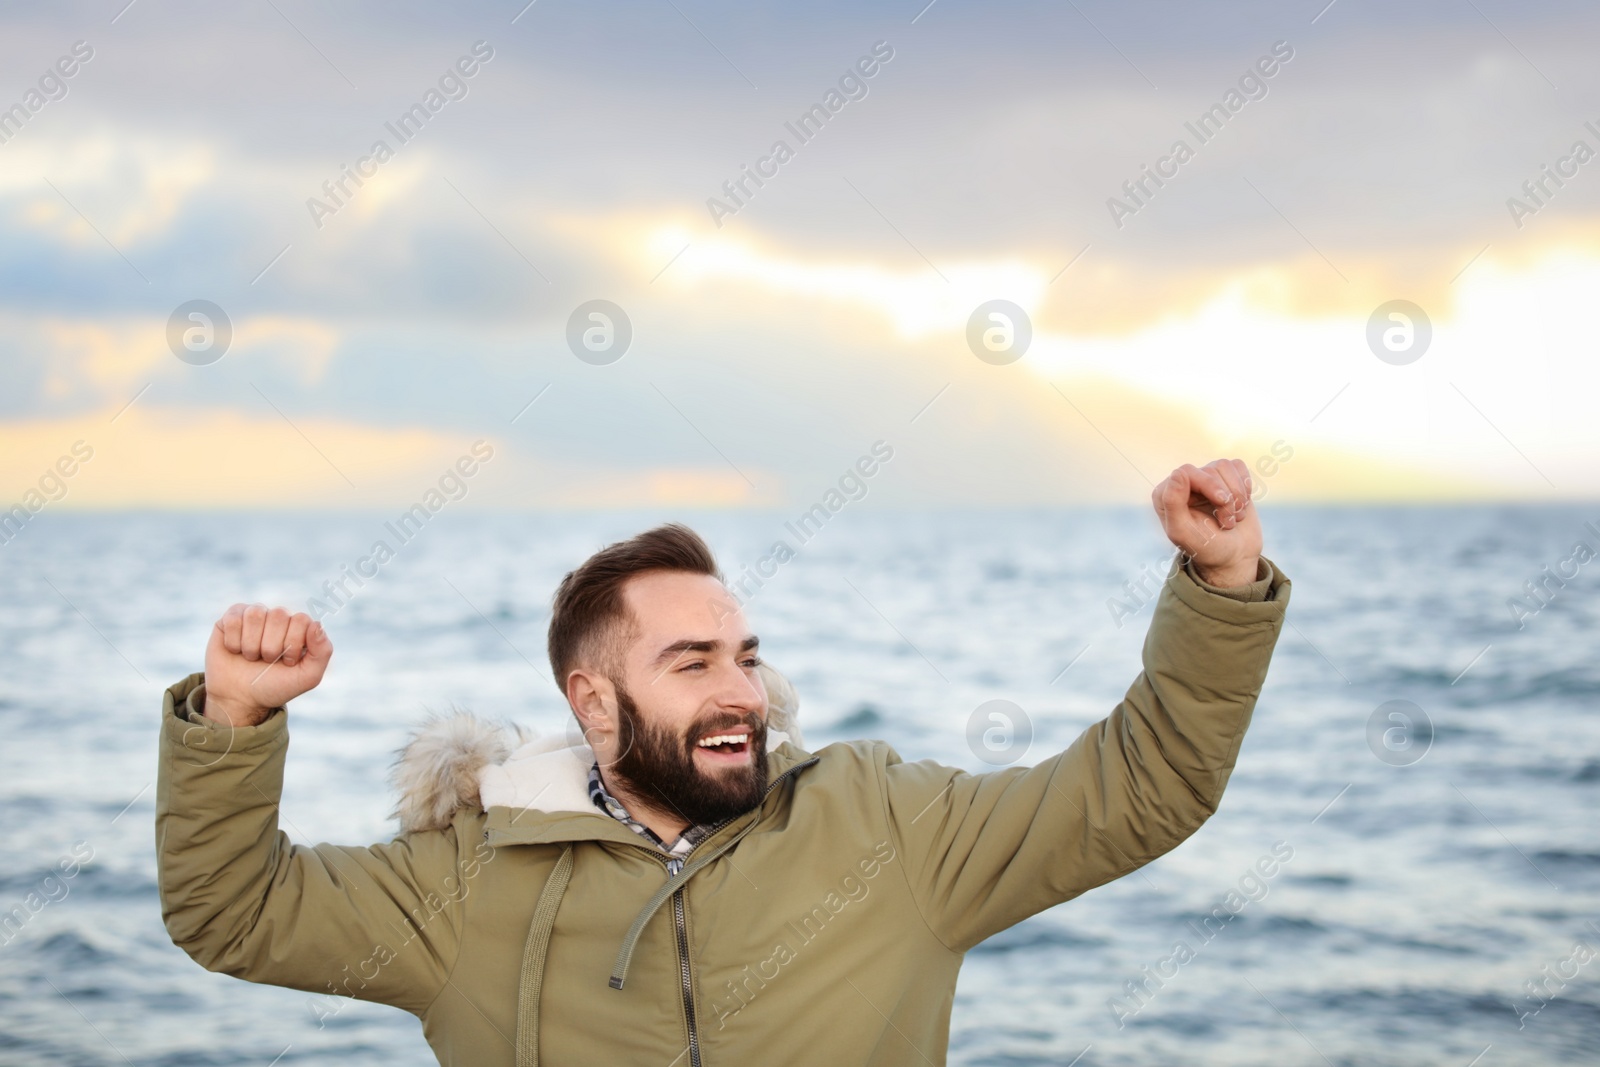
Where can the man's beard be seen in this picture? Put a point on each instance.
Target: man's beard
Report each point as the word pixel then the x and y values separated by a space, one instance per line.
pixel 658 765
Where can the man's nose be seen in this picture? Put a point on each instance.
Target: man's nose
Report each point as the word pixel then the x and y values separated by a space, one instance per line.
pixel 740 692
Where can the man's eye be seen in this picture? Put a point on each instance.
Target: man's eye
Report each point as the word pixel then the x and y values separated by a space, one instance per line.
pixel 753 661
pixel 688 666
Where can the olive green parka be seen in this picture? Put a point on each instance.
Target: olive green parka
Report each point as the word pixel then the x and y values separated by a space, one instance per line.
pixel 824 927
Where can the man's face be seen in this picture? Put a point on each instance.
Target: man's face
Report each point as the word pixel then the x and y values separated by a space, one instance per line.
pixel 691 729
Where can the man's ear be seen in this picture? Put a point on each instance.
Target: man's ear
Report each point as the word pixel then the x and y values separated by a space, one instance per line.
pixel 594 701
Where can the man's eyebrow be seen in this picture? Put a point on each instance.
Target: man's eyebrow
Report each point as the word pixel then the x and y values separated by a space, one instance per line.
pixel 689 644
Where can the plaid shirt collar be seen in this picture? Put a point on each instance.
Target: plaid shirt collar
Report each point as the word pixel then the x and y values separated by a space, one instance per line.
pixel 613 807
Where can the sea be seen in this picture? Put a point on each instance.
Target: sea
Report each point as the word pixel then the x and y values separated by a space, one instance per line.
pixel 1408 854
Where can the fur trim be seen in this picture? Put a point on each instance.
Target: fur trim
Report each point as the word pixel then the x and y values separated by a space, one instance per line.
pixel 452 760
pixel 438 770
pixel 783 705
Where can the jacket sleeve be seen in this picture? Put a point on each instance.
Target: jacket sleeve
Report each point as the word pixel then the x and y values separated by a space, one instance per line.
pixel 380 923
pixel 985 851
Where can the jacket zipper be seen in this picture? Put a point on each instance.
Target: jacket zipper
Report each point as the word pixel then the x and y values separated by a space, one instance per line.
pixel 683 928
pixel 688 982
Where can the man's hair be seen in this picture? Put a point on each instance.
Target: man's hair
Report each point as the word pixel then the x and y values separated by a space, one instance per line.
pixel 589 622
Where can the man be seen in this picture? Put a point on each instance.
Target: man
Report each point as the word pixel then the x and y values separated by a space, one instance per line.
pixel 689 887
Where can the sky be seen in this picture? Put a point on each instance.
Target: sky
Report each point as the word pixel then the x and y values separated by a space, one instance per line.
pixel 1436 154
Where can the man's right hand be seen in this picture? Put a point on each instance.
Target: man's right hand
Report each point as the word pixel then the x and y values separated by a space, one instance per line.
pixel 259 659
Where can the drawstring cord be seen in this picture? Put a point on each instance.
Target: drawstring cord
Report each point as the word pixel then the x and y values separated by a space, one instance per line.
pixel 619 972
pixel 533 958
pixel 537 948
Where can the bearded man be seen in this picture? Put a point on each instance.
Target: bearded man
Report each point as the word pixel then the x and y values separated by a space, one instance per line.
pixel 688 885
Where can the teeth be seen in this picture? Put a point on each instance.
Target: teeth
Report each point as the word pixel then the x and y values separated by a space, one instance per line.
pixel 723 739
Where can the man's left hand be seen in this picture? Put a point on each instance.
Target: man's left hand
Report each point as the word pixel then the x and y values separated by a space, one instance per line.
pixel 1207 512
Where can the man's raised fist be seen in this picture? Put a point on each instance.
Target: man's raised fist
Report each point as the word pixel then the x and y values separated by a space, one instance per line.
pixel 1206 511
pixel 260 658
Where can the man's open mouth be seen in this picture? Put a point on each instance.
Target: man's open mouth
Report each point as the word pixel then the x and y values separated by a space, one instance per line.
pixel 730 745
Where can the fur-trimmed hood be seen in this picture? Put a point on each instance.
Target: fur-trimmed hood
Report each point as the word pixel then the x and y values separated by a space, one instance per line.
pixel 459 760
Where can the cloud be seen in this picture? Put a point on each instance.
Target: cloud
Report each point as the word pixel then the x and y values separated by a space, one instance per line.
pixel 1225 316
pixel 86 363
pixel 918 301
pixel 163 457
pixel 1497 401
pixel 181 457
pixel 129 185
